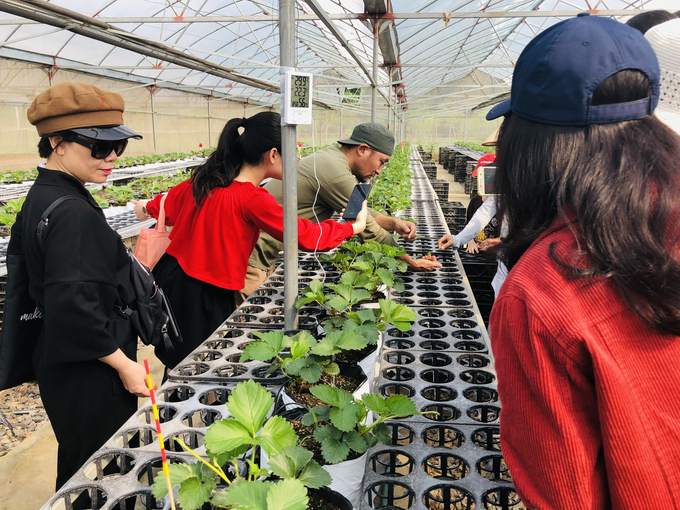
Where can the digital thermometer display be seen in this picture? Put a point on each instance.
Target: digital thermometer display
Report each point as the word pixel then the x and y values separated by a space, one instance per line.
pixel 299 91
pixel 296 106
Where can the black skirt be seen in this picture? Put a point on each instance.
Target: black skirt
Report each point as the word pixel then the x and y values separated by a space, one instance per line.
pixel 199 308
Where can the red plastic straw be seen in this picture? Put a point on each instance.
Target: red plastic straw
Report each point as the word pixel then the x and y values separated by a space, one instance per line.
pixel 166 471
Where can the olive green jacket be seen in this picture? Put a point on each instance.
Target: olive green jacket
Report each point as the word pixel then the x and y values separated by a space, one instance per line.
pixel 335 185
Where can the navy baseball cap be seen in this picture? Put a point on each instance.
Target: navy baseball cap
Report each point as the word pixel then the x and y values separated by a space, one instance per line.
pixel 559 70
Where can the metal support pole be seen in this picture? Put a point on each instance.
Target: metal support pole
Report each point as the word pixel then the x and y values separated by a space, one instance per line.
pixel 465 131
pixel 153 121
pixel 288 146
pixel 374 87
pixel 342 125
pixel 389 107
pixel 403 128
pixel 209 125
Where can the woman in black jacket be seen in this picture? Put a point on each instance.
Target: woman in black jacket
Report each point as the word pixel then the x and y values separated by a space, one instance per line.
pixel 84 360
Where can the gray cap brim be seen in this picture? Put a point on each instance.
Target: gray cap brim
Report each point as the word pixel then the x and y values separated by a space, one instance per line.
pixel 499 110
pixel 349 141
pixel 108 133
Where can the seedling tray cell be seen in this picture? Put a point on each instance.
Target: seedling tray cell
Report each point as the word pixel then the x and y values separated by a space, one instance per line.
pixel 217 361
pixel 437 381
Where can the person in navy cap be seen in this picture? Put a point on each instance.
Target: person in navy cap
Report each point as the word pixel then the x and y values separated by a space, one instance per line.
pixel 586 329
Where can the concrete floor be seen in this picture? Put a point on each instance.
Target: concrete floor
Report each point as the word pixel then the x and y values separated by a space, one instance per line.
pixel 28 473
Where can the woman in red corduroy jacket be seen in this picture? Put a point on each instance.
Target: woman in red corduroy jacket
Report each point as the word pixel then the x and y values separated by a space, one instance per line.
pixel 586 328
pixel 217 215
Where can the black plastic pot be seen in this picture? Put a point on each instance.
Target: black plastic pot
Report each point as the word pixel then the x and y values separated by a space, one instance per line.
pixel 332 497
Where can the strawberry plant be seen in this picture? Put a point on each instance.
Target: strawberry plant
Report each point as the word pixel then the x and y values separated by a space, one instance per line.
pixel 368 265
pixel 100 201
pixel 120 195
pixel 17 176
pixel 226 440
pixel 301 356
pixel 341 425
pixel 341 304
pixel 9 211
pixel 392 189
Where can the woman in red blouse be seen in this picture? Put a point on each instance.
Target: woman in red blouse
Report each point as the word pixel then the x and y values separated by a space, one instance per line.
pixel 586 329
pixel 217 215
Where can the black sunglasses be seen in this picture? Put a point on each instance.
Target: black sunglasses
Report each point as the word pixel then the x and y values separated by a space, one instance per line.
pixel 100 148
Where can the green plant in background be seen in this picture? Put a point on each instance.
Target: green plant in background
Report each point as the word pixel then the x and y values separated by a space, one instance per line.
pixel 341 426
pixel 392 189
pixel 9 211
pixel 307 150
pixel 161 158
pixel 226 440
pixel 477 147
pixel 121 195
pixel 17 176
pixel 100 201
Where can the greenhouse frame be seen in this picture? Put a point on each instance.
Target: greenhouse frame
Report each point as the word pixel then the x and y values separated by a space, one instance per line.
pixel 428 70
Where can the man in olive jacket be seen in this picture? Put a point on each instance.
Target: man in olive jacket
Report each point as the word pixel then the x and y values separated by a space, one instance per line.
pixel 333 172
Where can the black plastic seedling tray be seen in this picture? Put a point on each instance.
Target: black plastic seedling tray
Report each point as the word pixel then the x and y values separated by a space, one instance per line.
pixel 120 474
pixel 456 331
pixel 442 381
pixel 217 361
pixel 439 466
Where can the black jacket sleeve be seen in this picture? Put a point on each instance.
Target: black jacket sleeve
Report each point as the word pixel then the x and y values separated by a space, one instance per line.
pixel 81 261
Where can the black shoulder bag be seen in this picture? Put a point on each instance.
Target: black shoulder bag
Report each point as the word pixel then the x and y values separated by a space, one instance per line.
pixel 150 314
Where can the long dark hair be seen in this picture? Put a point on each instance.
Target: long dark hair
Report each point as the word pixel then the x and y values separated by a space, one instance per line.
pixel 261 133
pixel 621 180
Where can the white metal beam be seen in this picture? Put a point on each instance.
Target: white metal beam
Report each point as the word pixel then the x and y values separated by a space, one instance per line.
pixel 357 16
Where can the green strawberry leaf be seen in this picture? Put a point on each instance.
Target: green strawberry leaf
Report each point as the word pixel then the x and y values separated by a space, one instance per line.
pixel 194 493
pixel 243 495
pixel 386 276
pixel 276 435
pixel 314 476
pixel 345 417
pixel 331 368
pixel 355 441
pixel 178 474
pixel 375 403
pixel 311 370
pixel 382 434
pixel 258 350
pixel 290 461
pixel 326 394
pixel 249 403
pixel 401 405
pixel 288 494
pixel 226 435
pixel 333 449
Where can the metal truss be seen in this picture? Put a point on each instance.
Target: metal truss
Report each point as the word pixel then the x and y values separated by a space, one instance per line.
pixel 438 56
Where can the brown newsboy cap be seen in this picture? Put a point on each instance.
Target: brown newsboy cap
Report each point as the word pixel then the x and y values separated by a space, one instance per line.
pixel 72 105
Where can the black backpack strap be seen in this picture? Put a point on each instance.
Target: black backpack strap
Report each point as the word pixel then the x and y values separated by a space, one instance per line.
pixel 45 218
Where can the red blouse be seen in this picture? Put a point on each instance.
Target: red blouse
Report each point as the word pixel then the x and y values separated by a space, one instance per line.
pixel 589 392
pixel 212 243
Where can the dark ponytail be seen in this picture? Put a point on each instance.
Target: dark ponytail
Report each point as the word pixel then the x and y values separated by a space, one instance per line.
pixel 261 133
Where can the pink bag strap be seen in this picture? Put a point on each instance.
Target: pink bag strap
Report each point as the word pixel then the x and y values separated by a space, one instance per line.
pixel 160 225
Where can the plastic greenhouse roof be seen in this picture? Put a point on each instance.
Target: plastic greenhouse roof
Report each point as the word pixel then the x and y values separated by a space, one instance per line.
pixel 454 52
